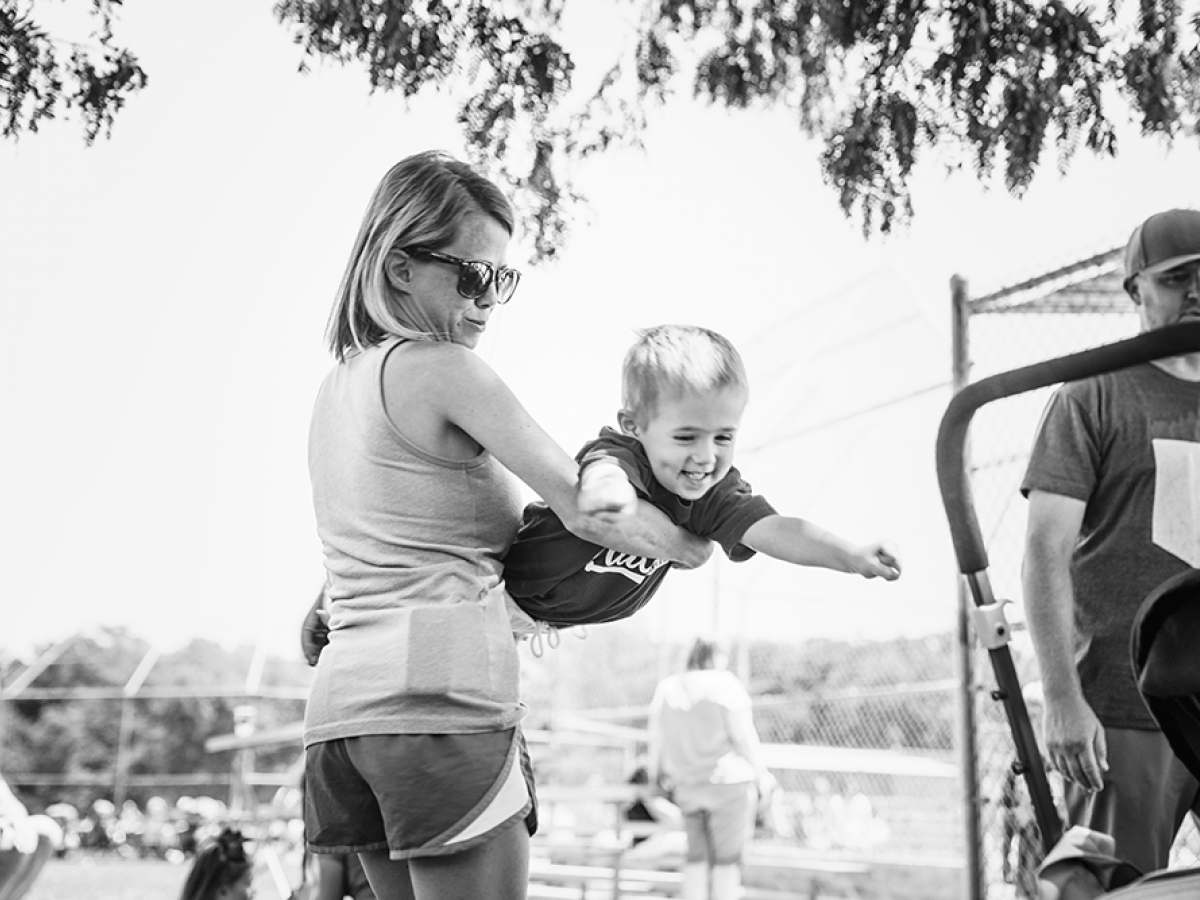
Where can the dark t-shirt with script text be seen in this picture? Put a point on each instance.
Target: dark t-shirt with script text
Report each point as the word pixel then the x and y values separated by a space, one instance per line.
pixel 564 580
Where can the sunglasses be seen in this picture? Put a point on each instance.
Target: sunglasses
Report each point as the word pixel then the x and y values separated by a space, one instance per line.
pixel 475 276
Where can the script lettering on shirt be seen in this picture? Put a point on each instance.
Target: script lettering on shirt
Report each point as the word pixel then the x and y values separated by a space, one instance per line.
pixel 635 568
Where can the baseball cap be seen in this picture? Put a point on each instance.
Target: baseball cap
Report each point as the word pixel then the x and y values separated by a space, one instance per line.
pixel 1164 241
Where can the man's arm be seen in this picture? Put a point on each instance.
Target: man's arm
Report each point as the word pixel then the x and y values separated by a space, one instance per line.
pixel 803 543
pixel 1073 735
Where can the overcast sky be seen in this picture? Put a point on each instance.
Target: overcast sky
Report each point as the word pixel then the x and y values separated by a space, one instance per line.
pixel 164 295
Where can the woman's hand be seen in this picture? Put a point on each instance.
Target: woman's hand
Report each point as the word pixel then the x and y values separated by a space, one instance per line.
pixel 767 785
pixel 314 631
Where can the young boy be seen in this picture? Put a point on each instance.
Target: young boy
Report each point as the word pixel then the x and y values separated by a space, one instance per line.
pixel 684 391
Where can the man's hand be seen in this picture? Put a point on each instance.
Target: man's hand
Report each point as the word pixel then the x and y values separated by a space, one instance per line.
pixel 604 490
pixel 878 560
pixel 1075 743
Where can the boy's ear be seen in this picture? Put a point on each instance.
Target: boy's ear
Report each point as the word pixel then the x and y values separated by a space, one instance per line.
pixel 628 423
pixel 398 269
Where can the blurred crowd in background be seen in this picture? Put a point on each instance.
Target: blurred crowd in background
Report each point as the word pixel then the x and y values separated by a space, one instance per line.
pixel 165 830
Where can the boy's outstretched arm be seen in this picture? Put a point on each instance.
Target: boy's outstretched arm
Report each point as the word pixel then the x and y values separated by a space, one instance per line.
pixel 801 542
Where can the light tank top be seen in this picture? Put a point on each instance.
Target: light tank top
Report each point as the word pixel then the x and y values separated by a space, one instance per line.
pixel 420 641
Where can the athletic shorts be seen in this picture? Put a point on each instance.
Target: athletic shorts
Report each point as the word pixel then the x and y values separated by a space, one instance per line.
pixel 718 820
pixel 416 794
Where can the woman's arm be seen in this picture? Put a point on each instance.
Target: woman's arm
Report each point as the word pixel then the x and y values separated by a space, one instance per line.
pixel 654 757
pixel 475 399
pixel 739 723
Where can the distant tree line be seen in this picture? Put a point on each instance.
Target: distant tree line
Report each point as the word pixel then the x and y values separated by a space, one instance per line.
pixel 75 741
pixel 866 694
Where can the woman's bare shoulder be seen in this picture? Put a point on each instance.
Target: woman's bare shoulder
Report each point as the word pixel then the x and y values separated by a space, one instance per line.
pixel 439 364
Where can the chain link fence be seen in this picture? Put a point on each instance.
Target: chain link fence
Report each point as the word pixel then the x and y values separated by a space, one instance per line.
pixel 865 761
pixel 1075 308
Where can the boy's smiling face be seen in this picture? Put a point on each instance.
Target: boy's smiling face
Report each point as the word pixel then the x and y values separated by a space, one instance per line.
pixel 690 438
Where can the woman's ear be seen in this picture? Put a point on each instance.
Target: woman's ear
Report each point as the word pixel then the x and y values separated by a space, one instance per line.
pixel 398 267
pixel 627 422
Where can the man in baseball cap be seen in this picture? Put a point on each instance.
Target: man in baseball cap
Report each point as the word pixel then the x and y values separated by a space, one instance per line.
pixel 1163 242
pixel 1112 482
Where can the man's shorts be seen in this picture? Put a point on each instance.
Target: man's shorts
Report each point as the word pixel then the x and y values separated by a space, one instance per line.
pixel 718 819
pixel 1148 792
pixel 416 794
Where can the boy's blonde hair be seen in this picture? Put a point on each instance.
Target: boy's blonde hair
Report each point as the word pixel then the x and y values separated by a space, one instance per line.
pixel 421 201
pixel 673 359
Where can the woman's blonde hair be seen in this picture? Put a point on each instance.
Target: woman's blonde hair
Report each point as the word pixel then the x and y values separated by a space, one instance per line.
pixel 421 201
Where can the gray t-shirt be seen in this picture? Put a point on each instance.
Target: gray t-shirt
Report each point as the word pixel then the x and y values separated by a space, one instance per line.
pixel 1127 443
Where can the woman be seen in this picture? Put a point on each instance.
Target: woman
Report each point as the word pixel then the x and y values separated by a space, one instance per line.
pixel 705 751
pixel 414 758
pixel 221 870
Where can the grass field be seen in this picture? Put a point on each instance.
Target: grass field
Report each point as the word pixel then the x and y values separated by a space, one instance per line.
pixel 108 878
pixel 112 878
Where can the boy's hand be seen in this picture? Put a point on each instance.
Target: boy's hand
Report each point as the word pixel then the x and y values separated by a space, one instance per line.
pixel 604 490
pixel 878 560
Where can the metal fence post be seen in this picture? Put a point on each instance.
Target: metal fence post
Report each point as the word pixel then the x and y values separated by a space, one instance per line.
pixel 960 375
